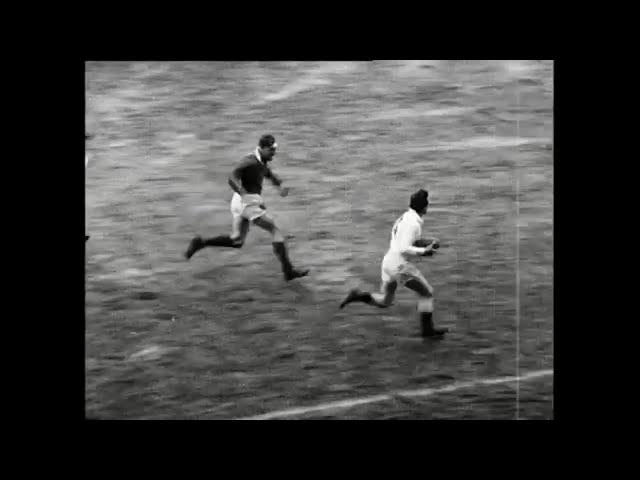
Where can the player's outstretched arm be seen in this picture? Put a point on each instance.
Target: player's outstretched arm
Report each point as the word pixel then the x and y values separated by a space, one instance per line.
pixel 277 181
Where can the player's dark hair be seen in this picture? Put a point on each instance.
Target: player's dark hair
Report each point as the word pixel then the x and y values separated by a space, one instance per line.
pixel 419 200
pixel 266 141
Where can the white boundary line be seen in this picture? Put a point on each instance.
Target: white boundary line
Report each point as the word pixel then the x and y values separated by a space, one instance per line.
pixel 425 392
pixel 517 170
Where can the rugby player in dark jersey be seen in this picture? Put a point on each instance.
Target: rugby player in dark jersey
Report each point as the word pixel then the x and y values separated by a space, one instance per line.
pixel 247 207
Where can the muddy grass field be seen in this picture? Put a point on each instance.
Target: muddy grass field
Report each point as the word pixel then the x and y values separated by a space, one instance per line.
pixel 223 336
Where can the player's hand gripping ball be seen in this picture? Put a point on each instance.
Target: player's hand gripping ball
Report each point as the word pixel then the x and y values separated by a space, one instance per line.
pixel 284 191
pixel 422 243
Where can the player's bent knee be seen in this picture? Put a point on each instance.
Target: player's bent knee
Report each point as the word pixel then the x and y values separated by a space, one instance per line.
pixel 265 223
pixel 426 293
pixel 387 301
pixel 421 288
pixel 381 301
pixel 237 242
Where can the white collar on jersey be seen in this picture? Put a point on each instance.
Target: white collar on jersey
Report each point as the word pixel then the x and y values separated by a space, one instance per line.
pixel 257 154
pixel 415 215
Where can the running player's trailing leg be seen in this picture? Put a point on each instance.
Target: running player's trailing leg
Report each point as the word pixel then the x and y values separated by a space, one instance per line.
pixel 240 229
pixel 198 243
pixel 383 299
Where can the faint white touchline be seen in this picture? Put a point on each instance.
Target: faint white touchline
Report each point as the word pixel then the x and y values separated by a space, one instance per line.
pixel 425 392
pixel 518 268
pixel 406 113
pixel 553 135
pixel 315 77
pixel 479 143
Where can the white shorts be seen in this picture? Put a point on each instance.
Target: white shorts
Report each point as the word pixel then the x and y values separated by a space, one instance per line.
pixel 249 206
pixel 397 269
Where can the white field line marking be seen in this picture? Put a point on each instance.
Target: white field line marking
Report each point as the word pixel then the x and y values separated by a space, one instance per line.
pixel 299 86
pixel 315 77
pixel 518 272
pixel 402 113
pixel 425 392
pixel 479 142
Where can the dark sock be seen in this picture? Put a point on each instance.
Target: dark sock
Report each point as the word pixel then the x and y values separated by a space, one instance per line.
pixel 426 323
pixel 280 249
pixel 428 329
pixel 219 241
pixel 365 297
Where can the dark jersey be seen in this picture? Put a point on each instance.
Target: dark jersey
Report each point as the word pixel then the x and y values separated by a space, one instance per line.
pixel 252 172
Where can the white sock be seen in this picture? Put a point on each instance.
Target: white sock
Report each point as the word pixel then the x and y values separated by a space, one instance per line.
pixel 425 305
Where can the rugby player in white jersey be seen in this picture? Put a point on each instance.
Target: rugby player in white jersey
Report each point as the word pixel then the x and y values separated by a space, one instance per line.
pixel 398 269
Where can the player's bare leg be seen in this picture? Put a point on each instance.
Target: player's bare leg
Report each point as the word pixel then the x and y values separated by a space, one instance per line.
pixel 383 299
pixel 279 247
pixel 425 307
pixel 239 231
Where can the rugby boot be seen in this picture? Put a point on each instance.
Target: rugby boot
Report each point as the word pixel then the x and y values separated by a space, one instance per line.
pixel 355 295
pixel 195 245
pixel 295 273
pixel 427 328
pixel 290 273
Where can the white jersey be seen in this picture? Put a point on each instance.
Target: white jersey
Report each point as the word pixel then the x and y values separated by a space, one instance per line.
pixel 406 230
